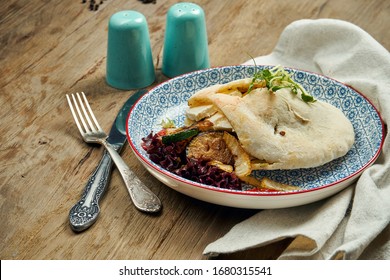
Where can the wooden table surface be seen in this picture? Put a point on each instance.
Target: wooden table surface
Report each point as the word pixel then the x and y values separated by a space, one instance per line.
pixel 51 48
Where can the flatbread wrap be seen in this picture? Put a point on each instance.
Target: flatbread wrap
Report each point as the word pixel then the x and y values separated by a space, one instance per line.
pixel 277 129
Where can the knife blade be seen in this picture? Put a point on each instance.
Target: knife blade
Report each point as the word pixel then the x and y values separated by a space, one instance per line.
pixel 86 211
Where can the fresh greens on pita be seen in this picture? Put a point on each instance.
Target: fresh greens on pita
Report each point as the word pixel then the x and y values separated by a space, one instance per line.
pixel 276 122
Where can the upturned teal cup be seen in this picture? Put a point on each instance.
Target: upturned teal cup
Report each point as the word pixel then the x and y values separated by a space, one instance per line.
pixel 129 55
pixel 185 42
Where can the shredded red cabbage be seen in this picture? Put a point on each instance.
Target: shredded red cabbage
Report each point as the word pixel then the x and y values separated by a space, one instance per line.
pixel 172 157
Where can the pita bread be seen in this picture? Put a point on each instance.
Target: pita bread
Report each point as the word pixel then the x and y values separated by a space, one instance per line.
pixel 279 129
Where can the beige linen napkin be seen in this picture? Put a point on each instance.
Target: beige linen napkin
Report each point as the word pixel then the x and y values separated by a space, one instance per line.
pixel 353 224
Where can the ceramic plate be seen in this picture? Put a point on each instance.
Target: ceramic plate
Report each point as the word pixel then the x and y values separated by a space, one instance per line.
pixel 169 100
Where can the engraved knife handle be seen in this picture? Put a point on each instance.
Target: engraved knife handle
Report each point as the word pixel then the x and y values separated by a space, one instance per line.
pixel 143 198
pixel 86 211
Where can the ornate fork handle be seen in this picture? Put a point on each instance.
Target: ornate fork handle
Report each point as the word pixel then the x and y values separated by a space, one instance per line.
pixel 86 211
pixel 90 130
pixel 143 198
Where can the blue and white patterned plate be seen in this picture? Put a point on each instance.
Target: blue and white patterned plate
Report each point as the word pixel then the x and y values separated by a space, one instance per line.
pixel 169 100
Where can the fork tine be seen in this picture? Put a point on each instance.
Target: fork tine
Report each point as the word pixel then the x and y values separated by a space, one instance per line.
pixel 86 114
pixel 91 113
pixel 76 119
pixel 80 114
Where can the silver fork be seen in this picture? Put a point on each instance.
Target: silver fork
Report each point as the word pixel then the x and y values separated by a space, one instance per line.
pixel 143 198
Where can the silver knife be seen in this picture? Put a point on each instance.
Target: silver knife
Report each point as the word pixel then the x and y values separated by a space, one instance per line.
pixel 86 211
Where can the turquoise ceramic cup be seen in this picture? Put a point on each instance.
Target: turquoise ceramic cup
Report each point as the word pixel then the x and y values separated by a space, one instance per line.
pixel 185 42
pixel 129 55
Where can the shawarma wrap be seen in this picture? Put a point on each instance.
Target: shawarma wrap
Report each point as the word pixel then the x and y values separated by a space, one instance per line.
pixel 277 129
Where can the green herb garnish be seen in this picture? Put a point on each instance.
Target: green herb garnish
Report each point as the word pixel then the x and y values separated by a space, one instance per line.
pixel 168 123
pixel 278 78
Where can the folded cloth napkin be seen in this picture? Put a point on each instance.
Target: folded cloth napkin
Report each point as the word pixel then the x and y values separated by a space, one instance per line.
pixel 353 224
